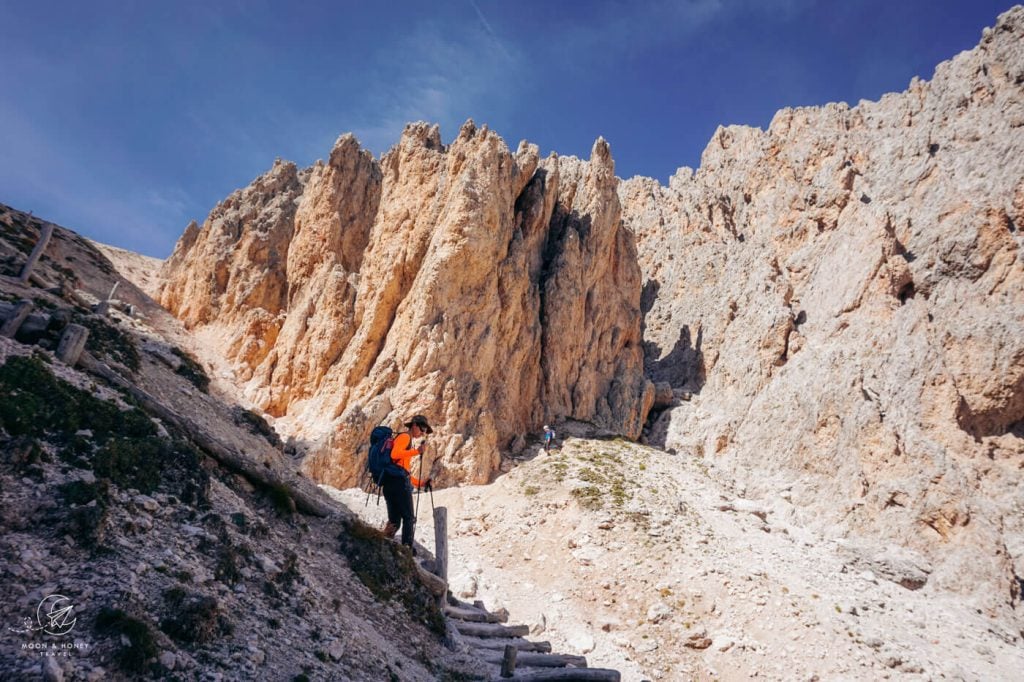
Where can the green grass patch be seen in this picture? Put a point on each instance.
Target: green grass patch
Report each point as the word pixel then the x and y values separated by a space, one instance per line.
pixel 588 497
pixel 122 445
pixel 36 403
pixel 388 572
pixel 108 341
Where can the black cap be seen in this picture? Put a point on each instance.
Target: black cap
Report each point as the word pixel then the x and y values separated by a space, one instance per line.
pixel 420 421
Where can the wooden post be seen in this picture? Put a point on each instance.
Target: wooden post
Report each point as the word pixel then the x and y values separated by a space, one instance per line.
pixel 441 542
pixel 37 252
pixel 508 661
pixel 13 324
pixel 103 307
pixel 72 343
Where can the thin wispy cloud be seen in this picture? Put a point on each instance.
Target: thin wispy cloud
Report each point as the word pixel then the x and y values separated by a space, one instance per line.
pixel 445 77
pixel 499 43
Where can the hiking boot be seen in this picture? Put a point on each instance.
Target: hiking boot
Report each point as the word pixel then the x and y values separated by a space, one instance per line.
pixel 389 530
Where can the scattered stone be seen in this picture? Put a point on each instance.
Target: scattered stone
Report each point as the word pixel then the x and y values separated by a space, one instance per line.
pixel 147 503
pixel 52 671
pixel 723 643
pixel 645 646
pixel 168 660
pixel 658 612
pixel 698 639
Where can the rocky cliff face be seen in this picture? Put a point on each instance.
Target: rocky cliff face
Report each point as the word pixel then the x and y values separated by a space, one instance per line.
pixel 488 290
pixel 842 295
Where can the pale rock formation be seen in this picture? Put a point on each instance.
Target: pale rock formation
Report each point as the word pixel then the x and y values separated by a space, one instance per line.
pixel 488 290
pixel 832 308
pixel 844 296
pixel 231 268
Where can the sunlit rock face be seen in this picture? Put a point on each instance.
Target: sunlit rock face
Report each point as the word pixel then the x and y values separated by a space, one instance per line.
pixel 489 290
pixel 843 297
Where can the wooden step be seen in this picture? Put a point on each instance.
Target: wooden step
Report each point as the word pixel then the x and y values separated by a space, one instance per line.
pixel 473 615
pixel 478 606
pixel 564 675
pixel 498 644
pixel 489 629
pixel 535 660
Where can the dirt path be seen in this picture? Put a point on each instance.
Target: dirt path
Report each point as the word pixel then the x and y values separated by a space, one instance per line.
pixel 633 558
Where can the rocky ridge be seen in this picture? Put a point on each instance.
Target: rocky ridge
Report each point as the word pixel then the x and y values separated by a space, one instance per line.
pixel 840 294
pixel 490 291
pixel 175 566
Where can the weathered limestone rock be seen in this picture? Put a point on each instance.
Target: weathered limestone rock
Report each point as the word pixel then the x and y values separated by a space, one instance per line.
pixel 233 269
pixel 843 294
pixel 488 290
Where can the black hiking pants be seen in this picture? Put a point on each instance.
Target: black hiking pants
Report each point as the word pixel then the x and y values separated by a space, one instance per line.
pixel 398 496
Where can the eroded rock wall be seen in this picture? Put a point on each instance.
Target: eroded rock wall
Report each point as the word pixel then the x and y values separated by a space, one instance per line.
pixel 489 290
pixel 843 296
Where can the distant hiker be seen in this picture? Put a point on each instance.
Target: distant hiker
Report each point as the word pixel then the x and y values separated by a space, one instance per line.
pixel 398 480
pixel 549 435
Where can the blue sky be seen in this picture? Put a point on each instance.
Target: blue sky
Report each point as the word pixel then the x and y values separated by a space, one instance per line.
pixel 125 120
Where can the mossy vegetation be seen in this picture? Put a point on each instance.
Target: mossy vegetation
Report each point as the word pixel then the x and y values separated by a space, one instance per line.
pixel 194 618
pixel 84 492
pixel 192 370
pixel 388 571
pixel 87 432
pixel 589 497
pixel 605 475
pixel 107 340
pixel 38 404
pixel 133 636
pixel 279 498
pixel 231 559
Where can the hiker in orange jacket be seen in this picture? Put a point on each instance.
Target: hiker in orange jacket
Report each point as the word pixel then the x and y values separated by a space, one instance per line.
pixel 398 488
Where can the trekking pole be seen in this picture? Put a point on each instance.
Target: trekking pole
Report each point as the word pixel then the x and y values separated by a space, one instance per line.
pixel 418 491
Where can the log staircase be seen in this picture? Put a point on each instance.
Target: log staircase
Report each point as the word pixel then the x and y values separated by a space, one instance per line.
pixel 487 635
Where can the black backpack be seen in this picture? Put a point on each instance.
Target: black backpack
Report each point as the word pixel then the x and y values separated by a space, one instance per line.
pixel 381 440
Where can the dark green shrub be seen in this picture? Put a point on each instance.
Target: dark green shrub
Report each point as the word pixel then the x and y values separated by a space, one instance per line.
pixel 196 619
pixel 106 340
pixel 389 572
pixel 81 492
pixel 141 646
pixel 133 462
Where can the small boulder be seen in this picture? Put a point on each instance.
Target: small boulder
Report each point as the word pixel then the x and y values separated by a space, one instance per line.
pixel 168 660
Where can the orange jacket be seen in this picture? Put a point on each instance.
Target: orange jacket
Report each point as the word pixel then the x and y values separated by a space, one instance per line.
pixel 402 453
